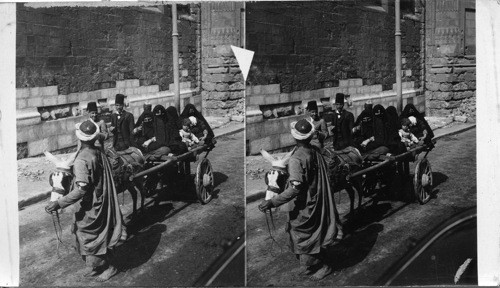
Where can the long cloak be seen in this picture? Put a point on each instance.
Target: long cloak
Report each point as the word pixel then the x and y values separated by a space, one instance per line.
pixel 98 221
pixel 313 217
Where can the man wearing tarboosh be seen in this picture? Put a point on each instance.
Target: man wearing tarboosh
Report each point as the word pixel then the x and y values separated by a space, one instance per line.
pixel 98 220
pixel 103 129
pixel 314 223
pixel 122 125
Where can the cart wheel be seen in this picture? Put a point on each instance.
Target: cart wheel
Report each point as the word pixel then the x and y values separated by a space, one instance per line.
pixel 204 181
pixel 422 183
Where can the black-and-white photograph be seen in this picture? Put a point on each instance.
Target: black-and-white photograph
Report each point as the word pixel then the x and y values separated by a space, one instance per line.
pixel 130 144
pixel 361 143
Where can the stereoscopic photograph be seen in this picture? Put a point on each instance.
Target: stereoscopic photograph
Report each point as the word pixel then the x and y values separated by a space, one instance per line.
pixel 361 143
pixel 130 144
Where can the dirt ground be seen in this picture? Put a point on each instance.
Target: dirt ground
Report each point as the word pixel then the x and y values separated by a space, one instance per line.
pixel 381 232
pixel 170 244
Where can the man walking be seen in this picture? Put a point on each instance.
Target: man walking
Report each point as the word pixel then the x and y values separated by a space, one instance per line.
pixel 122 125
pixel 342 124
pixel 98 220
pixel 313 221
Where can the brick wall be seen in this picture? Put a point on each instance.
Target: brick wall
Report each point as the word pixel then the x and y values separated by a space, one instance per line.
pixel 222 81
pixel 451 61
pixel 313 45
pixel 87 48
pixel 69 56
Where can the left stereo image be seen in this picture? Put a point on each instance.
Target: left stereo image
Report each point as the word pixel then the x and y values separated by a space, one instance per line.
pixel 130 144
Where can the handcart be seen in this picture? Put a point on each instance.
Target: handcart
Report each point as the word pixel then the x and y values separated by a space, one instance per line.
pixel 385 167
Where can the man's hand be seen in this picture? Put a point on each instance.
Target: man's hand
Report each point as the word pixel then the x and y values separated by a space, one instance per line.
pixel 265 205
pixel 52 206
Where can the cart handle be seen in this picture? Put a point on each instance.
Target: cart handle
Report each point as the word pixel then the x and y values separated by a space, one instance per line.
pixel 389 160
pixel 174 159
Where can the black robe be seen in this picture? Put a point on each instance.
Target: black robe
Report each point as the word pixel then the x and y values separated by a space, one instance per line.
pixel 202 124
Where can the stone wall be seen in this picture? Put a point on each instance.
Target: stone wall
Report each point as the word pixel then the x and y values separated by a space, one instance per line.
pixel 273 133
pixel 222 81
pixel 88 48
pixel 313 45
pixel 451 61
pixel 37 133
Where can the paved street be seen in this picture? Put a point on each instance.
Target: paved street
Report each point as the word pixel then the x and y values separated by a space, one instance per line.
pixel 172 244
pixel 379 235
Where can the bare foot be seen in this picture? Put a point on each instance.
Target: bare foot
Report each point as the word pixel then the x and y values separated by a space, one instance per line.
pixel 91 272
pixel 305 271
pixel 108 273
pixel 322 273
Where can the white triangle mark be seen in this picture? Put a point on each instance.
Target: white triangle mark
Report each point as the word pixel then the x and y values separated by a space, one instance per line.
pixel 244 58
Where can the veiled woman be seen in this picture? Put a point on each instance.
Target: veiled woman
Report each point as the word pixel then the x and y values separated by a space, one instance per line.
pixel 421 129
pixel 173 138
pixel 201 129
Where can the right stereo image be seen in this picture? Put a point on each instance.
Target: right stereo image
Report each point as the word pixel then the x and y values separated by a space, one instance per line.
pixel 361 143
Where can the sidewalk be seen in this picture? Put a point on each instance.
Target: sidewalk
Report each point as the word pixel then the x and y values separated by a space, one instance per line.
pixel 33 173
pixel 256 166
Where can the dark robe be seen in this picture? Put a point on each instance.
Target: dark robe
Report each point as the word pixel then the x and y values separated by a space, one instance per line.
pixel 393 125
pixel 201 123
pixel 342 129
pixel 159 129
pixel 145 121
pixel 313 217
pixel 365 123
pixel 98 219
pixel 122 133
pixel 174 139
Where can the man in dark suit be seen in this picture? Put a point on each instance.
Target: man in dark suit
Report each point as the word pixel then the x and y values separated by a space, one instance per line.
pixel 122 125
pixel 342 124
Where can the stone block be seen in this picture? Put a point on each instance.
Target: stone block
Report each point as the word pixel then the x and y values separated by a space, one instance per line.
pixel 184 73
pixel 22 93
pixel 253 119
pixel 285 98
pixel 35 92
pixel 286 140
pixel 352 91
pixel 271 89
pixel 217 70
pixel 272 98
pixel 355 82
pixel 443 96
pixel 49 100
pixel 66 140
pixel 236 86
pixel 460 118
pixel 221 87
pixel 343 83
pixel 460 86
pixel 258 144
pixel 35 102
pixel 432 86
pixel 437 70
pixel 271 127
pixel 48 91
pixel 153 88
pixel 37 147
pixel 446 87
pixel 236 95
pixel 375 88
pixel 21 103
pixel 25 133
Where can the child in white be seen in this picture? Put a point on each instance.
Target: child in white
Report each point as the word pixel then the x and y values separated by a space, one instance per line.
pixel 185 132
pixel 406 136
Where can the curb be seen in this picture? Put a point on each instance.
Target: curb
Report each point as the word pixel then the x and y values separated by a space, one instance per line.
pixel 260 194
pixel 44 195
